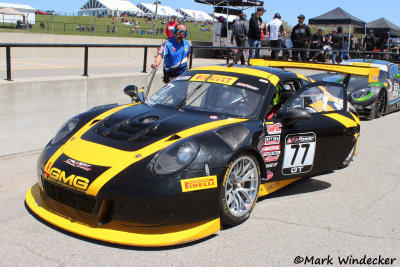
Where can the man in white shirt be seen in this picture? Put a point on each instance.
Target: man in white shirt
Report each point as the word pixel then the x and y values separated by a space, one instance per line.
pixel 276 30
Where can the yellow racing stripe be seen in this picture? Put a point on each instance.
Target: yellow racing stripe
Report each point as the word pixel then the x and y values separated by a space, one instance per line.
pixel 342 119
pixel 357 119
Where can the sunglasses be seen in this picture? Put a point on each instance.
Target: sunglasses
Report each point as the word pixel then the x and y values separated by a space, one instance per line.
pixel 181 31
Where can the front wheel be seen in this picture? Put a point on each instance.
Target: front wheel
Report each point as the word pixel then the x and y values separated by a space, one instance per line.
pixel 380 104
pixel 239 190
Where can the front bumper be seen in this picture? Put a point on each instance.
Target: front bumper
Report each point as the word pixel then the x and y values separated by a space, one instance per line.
pixel 116 233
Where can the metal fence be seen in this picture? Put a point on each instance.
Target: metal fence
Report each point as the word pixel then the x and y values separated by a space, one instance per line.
pixel 223 52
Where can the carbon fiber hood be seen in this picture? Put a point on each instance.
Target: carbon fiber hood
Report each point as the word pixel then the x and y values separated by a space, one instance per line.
pixel 135 127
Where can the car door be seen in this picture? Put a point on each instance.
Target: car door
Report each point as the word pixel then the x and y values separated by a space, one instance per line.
pixel 298 146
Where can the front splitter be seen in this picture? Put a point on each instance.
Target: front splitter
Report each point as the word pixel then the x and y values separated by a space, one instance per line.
pixel 153 237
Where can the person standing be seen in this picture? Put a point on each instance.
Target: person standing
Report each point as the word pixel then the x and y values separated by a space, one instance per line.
pixel 170 27
pixel 369 42
pixel 301 36
pixel 256 25
pixel 276 30
pixel 175 52
pixel 239 34
pixel 337 44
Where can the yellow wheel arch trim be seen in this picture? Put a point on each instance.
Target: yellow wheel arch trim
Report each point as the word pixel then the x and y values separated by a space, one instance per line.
pixel 153 237
pixel 247 71
pixel 118 160
pixel 371 72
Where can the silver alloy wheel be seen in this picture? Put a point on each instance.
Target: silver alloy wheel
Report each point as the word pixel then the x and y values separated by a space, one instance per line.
pixel 241 186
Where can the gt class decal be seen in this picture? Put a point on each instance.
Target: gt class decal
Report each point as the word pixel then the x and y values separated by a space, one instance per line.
pixel 299 153
pixel 200 183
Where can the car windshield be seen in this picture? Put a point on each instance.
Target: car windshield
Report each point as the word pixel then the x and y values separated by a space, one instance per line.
pixel 209 97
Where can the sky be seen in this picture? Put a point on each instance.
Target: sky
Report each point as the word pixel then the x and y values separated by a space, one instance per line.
pixel 366 10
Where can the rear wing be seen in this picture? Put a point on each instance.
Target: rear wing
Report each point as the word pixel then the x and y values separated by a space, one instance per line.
pixel 371 72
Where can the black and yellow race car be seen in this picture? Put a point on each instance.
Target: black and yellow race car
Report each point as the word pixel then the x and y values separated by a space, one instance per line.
pixel 370 99
pixel 196 155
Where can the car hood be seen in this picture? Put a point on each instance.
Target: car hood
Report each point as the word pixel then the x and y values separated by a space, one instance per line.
pixel 136 127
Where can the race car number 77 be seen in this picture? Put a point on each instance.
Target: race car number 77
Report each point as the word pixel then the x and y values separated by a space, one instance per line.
pixel 299 153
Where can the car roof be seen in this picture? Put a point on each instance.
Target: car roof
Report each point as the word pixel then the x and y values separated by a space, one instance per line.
pixel 381 64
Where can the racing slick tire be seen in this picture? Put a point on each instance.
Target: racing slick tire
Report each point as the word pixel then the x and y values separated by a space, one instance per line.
pixel 239 190
pixel 380 104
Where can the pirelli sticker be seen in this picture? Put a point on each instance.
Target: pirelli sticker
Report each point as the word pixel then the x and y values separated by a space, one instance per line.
pixel 228 80
pixel 361 64
pixel 200 183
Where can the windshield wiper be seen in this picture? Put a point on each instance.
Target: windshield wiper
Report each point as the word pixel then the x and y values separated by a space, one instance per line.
pixel 183 102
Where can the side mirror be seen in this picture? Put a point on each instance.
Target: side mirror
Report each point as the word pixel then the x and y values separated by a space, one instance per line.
pixel 137 95
pixel 296 114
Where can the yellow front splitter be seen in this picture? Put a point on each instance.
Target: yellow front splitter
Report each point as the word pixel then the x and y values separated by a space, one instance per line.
pixel 154 237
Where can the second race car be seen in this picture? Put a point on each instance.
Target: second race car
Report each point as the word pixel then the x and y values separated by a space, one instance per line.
pixel 370 99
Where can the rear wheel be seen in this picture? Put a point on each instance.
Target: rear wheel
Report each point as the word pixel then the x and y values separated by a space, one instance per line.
pixel 239 190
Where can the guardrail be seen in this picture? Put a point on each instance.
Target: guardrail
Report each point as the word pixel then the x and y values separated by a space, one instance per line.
pixel 389 56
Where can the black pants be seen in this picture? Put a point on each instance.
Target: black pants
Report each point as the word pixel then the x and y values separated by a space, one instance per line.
pixel 275 44
pixel 303 54
pixel 239 54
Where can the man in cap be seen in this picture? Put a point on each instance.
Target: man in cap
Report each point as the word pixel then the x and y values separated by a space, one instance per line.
pixel 276 30
pixel 239 34
pixel 175 52
pixel 170 27
pixel 301 36
pixel 256 26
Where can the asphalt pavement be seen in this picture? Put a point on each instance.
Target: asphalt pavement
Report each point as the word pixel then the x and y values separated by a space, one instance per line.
pixel 349 214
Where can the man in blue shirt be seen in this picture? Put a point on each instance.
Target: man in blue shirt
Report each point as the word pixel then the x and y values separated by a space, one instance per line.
pixel 175 52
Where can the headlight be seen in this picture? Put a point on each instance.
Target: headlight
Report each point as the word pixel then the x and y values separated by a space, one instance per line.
pixel 176 157
pixel 362 94
pixel 65 129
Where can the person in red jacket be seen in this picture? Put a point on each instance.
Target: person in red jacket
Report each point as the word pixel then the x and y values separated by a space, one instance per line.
pixel 170 26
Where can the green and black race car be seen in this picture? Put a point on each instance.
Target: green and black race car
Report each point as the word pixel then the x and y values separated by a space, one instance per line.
pixel 194 156
pixel 370 99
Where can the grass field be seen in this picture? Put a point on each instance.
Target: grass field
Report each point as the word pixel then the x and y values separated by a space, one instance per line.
pixel 66 25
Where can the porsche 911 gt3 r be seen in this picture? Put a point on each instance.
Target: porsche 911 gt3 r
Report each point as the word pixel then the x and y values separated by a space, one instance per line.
pixel 197 154
pixel 370 99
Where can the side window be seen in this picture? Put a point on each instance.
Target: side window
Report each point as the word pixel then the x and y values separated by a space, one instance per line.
pixel 318 97
pixel 393 70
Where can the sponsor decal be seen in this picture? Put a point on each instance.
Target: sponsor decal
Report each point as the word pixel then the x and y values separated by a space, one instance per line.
pixel 271 148
pixel 271 165
pixel 275 128
pixel 269 176
pixel 72 181
pixel 361 64
pixel 271 158
pixel 199 183
pixel 222 79
pixel 138 156
pixel 72 139
pixel 248 86
pixel 272 140
pixel 199 77
pixel 299 153
pixel 78 164
pixel 272 153
pixel 207 169
pixel 182 78
pixel 263 81
pixel 213 117
pixel 173 49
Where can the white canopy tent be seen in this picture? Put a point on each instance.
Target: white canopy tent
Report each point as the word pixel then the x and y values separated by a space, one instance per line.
pixel 195 14
pixel 109 7
pixel 27 11
pixel 161 11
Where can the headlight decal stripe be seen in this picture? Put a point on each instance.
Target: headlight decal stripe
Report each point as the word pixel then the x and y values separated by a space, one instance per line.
pixel 80 132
